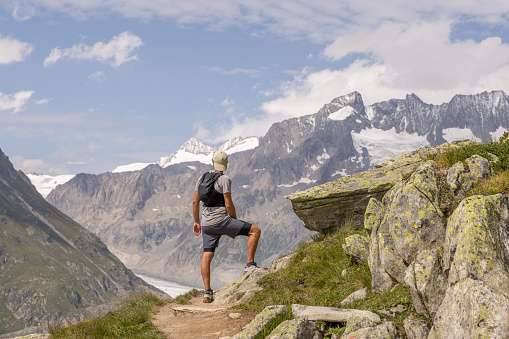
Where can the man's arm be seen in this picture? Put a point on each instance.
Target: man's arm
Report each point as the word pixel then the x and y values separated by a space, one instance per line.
pixel 196 214
pixel 230 207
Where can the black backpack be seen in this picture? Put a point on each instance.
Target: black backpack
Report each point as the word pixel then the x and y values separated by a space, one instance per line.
pixel 208 195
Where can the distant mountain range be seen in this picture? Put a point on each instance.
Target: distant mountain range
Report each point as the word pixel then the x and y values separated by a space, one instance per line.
pixel 144 214
pixel 52 270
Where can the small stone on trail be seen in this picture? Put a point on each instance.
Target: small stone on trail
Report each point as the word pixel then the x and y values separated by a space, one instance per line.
pixel 234 315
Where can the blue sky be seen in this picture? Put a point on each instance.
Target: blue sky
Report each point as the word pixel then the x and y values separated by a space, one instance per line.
pixel 88 85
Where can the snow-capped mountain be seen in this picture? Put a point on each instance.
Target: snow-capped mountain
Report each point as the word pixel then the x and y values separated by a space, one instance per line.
pixel 46 183
pixel 195 150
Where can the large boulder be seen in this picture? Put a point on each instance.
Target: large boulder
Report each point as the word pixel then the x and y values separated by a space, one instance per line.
pixel 471 309
pixel 477 242
pixel 412 221
pixel 476 257
pixel 415 328
pixel 426 282
pixel 461 178
pixel 296 329
pixel 327 206
pixel 331 314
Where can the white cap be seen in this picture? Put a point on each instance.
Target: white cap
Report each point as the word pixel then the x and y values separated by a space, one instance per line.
pixel 220 160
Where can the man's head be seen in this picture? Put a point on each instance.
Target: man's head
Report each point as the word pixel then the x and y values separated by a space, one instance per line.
pixel 220 161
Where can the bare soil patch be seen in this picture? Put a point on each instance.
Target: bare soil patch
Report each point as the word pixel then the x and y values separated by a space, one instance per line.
pixel 199 320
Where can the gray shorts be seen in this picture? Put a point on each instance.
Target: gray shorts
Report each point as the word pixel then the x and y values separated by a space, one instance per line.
pixel 230 227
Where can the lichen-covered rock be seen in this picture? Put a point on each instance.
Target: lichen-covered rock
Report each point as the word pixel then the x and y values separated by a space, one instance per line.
pixel 358 247
pixel 357 295
pixel 356 323
pixel 296 329
pixel 281 262
pixel 461 179
pixel 327 206
pixel 412 221
pixel 261 322
pixel 477 242
pixel 471 309
pixel 373 215
pixel 330 314
pixel 426 282
pixel 386 330
pixel 415 328
pixel 240 290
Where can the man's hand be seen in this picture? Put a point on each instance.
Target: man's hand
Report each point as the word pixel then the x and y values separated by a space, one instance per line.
pixel 197 228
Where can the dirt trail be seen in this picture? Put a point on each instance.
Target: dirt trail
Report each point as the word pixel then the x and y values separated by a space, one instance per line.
pixel 200 320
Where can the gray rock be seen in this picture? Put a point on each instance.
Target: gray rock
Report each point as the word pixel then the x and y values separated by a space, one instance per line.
pixel 477 244
pixel 281 263
pixel 261 322
pixel 240 290
pixel 373 215
pixel 461 179
pixel 358 247
pixel 386 330
pixel 415 328
pixel 426 282
pixel 471 309
pixel 296 329
pixel 356 323
pixel 412 221
pixel 330 314
pixel 357 295
pixel 327 206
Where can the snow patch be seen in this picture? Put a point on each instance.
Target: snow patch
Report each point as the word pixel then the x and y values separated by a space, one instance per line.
pixel 192 168
pixel 342 173
pixel 498 133
pixel 46 183
pixel 383 145
pixel 342 114
pixel 246 186
pixel 137 166
pixel 301 181
pixel 322 158
pixel 171 288
pixel 370 112
pixel 455 134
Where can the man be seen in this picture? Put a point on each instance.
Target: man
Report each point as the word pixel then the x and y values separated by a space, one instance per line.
pixel 220 218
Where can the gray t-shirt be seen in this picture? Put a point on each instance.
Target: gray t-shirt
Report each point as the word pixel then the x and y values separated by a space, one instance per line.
pixel 214 215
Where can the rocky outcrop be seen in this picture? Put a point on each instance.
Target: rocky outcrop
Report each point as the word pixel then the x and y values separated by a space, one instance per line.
pixel 357 295
pixel 415 328
pixel 327 206
pixel 356 323
pixel 476 258
pixel 427 282
pixel 461 178
pixel 412 220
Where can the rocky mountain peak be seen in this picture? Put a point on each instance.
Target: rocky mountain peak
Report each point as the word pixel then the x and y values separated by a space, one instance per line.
pixel 195 146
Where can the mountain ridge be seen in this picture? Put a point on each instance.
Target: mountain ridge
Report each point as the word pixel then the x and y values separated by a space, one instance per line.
pixel 294 154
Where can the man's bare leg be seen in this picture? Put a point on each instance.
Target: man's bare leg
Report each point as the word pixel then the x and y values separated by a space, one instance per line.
pixel 205 268
pixel 252 242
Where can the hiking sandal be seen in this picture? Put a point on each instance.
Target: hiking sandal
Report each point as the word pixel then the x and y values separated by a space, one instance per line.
pixel 209 296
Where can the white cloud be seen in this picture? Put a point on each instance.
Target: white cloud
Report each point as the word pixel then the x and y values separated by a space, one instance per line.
pixel 12 50
pixel 115 52
pixel 42 101
pixel 317 20
pixel 250 72
pixel 37 166
pixel 97 76
pixel 16 102
pixel 23 12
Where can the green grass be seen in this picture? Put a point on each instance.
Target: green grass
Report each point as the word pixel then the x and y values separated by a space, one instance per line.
pixel 131 320
pixel 184 298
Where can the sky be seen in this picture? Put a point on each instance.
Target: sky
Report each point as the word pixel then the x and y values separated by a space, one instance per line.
pixel 88 85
